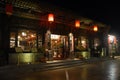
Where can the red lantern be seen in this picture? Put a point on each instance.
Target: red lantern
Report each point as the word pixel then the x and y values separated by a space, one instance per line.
pixel 50 17
pixel 95 28
pixel 9 9
pixel 77 23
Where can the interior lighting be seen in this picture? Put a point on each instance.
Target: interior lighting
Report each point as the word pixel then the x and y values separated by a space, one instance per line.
pixel 53 36
pixel 24 34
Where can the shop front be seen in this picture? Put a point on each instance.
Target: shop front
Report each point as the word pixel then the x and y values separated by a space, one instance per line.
pixel 28 43
pixel 82 48
pixel 42 44
pixel 58 46
pixel 90 45
pixel 31 34
pixel 34 43
pixel 25 46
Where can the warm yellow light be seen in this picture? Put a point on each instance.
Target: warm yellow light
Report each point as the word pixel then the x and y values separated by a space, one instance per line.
pixel 77 23
pixel 24 34
pixel 50 17
pixel 95 28
pixel 54 36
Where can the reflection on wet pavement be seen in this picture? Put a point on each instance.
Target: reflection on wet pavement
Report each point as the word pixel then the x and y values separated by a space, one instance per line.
pixel 108 70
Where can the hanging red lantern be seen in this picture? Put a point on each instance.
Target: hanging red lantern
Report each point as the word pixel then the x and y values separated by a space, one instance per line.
pixel 9 9
pixel 50 17
pixel 95 28
pixel 77 23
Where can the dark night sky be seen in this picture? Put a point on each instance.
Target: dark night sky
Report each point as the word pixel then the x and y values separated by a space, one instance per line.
pixel 107 12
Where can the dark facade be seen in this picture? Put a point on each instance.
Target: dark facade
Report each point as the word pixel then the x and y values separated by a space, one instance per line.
pixel 27 27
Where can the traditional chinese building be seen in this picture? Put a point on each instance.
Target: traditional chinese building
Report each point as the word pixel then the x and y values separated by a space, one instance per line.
pixel 38 30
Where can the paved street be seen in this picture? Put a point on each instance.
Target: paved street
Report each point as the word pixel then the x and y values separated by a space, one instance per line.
pixel 107 70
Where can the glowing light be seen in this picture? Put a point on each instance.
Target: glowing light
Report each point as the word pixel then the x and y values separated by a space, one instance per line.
pixel 24 34
pixel 19 37
pixel 50 17
pixel 32 35
pixel 82 42
pixel 53 36
pixel 95 28
pixel 77 23
pixel 111 39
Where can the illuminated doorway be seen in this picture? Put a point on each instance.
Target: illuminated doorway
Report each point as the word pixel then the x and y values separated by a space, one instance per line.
pixel 59 46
